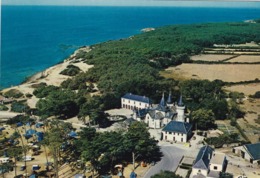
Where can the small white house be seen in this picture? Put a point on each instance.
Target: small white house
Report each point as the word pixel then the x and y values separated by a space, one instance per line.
pixel 135 102
pixel 208 163
pixel 249 152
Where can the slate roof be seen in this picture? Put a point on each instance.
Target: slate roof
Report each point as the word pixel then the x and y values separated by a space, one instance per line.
pixel 202 159
pixel 169 100
pixel 162 102
pixel 253 150
pixel 161 108
pixel 156 115
pixel 131 96
pixel 176 126
pixel 141 112
pixel 180 103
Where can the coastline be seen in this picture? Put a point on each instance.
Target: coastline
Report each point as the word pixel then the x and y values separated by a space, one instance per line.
pixel 50 76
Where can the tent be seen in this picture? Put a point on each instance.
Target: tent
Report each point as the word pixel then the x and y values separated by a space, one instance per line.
pixel 2 128
pixel 39 136
pixel 19 124
pixel 32 176
pixel 28 124
pixel 30 132
pixel 73 134
pixel 39 124
pixel 79 176
pixel 133 175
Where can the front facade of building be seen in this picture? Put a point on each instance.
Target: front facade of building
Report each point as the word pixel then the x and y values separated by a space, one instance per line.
pixel 249 152
pixel 135 102
pixel 176 131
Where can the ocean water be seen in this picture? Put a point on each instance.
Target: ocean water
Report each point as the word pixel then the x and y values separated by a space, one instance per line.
pixel 36 37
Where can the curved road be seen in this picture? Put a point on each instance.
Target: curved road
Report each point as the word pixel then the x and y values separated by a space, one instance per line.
pixel 170 160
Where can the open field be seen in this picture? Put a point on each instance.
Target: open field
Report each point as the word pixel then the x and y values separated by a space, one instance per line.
pixel 245 58
pixel 248 123
pixel 210 57
pixel 224 72
pixel 248 89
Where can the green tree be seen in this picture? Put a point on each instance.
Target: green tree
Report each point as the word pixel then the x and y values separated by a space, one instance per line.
pixel 203 118
pixel 60 103
pixel 16 153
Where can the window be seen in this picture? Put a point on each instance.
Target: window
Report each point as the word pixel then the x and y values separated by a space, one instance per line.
pixel 123 100
pixel 178 133
pixel 128 101
pixel 182 134
pixel 215 168
pixel 134 102
pixel 199 170
pixel 140 103
pixel 170 133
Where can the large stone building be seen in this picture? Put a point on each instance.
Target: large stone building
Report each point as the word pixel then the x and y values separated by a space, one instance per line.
pixel 135 102
pixel 165 115
pixel 208 163
pixel 249 152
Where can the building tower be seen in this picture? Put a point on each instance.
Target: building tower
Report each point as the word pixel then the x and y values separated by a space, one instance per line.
pixel 169 100
pixel 180 108
pixel 162 102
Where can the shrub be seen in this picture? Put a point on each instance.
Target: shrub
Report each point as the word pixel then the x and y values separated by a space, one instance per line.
pixel 13 93
pixel 38 85
pixel 44 91
pixel 19 118
pixel 256 95
pixel 71 70
pixel 19 107
pixel 3 107
pixel 28 95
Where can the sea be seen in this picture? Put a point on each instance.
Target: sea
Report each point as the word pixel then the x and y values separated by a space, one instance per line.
pixel 34 38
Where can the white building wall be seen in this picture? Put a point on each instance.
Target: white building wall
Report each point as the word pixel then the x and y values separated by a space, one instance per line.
pixel 180 113
pixel 218 166
pixel 196 171
pixel 132 104
pixel 154 123
pixel 174 136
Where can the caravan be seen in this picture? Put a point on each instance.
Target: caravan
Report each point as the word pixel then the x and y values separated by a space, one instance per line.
pixel 4 160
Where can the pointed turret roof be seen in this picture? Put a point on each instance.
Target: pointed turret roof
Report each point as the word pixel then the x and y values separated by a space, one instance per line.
pixel 162 102
pixel 169 100
pixel 180 103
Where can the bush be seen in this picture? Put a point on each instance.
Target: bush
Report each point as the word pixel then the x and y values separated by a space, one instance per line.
pixel 71 70
pixel 256 95
pixel 28 95
pixel 38 85
pixel 44 91
pixel 19 107
pixel 3 107
pixel 13 93
pixel 18 118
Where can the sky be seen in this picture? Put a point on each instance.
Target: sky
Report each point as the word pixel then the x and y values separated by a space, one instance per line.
pixel 193 3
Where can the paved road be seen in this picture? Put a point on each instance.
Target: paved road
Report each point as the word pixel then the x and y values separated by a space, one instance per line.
pixel 170 160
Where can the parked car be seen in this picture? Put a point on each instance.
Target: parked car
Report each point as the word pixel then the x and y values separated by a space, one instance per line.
pixel 22 168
